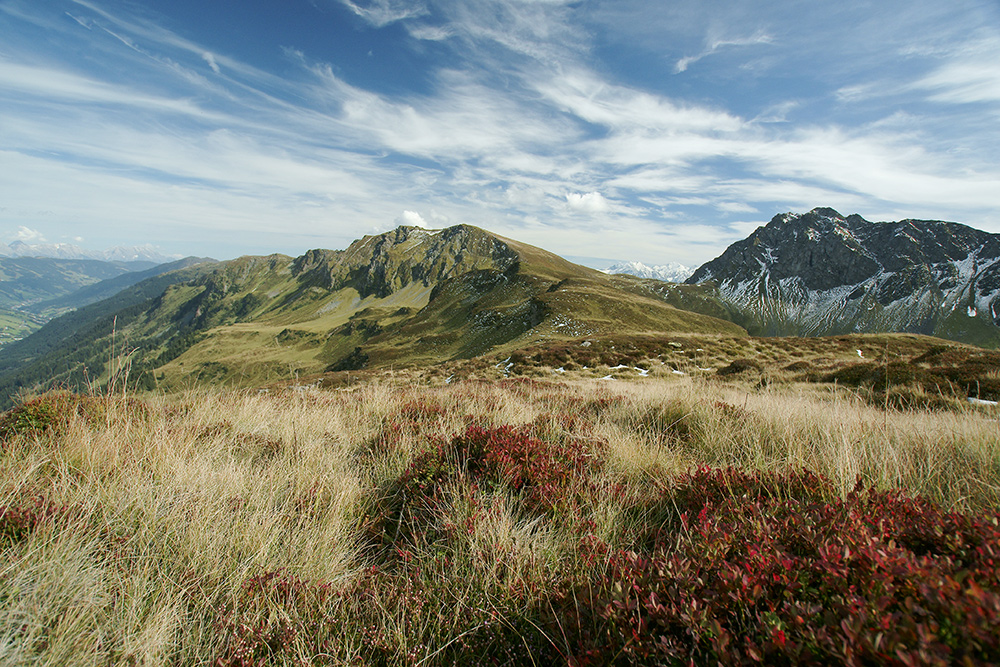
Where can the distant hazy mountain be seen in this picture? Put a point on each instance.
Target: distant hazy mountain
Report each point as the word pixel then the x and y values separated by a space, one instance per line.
pixel 26 281
pixel 59 344
pixel 109 287
pixel 671 272
pixel 143 253
pixel 821 273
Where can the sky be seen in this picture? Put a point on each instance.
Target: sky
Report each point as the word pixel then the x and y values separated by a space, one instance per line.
pixel 602 130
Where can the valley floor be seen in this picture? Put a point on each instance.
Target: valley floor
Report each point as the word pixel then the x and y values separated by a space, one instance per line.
pixel 647 520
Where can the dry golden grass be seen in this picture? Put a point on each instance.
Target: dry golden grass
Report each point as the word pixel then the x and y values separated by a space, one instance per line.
pixel 151 525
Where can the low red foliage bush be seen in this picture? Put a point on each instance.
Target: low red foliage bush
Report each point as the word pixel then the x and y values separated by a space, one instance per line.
pixel 762 569
pixel 252 636
pixel 505 456
pixel 549 477
pixel 281 619
pixel 54 410
pixel 17 521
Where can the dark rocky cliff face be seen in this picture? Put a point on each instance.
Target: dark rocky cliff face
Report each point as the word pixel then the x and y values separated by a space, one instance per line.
pixel 822 272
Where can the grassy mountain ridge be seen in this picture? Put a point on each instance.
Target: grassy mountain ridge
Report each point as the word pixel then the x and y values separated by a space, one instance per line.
pixel 413 296
pixel 403 297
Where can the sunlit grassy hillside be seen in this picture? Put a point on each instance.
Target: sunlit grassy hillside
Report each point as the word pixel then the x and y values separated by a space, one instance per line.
pixel 406 297
pixel 504 522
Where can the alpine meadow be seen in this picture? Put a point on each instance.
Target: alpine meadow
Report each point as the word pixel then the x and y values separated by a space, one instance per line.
pixel 426 333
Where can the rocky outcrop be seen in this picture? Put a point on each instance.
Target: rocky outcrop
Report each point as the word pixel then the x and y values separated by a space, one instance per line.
pixel 383 264
pixel 823 273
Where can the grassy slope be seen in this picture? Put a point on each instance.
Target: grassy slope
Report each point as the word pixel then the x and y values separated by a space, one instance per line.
pixel 15 325
pixel 548 298
pixel 55 354
pixel 406 297
pixel 109 287
pixel 278 529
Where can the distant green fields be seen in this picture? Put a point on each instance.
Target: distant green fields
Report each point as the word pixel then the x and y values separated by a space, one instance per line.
pixel 15 325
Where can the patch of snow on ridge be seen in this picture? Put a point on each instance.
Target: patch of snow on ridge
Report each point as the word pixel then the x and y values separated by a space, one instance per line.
pixel 845 233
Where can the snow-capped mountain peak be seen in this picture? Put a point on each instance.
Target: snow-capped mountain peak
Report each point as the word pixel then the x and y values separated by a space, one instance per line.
pixel 671 272
pixel 821 273
pixel 142 253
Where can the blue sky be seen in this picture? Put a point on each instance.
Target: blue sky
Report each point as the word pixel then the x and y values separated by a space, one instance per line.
pixel 608 129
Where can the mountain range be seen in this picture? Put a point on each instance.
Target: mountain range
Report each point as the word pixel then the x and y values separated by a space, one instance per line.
pixel 33 290
pixel 417 297
pixel 141 253
pixel 672 272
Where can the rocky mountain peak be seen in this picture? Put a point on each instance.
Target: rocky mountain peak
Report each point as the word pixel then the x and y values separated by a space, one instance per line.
pixel 823 272
pixel 825 212
pixel 818 250
pixel 381 264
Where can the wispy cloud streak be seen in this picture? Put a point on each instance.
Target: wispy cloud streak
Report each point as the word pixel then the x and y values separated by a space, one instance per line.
pixel 521 128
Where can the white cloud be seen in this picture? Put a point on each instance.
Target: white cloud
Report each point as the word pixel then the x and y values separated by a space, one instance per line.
pixel 210 59
pixel 440 219
pixel 466 120
pixel 381 13
pixel 524 195
pixel 777 113
pixel 965 83
pixel 430 33
pixel 590 202
pixel 64 86
pixel 83 22
pixel 968 74
pixel 717 44
pixel 28 235
pixel 735 207
pixel 411 219
pixel 595 100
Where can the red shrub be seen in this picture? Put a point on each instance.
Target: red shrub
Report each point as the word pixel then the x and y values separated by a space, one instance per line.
pixel 549 478
pixel 249 636
pixel 504 456
pixel 751 577
pixel 18 521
